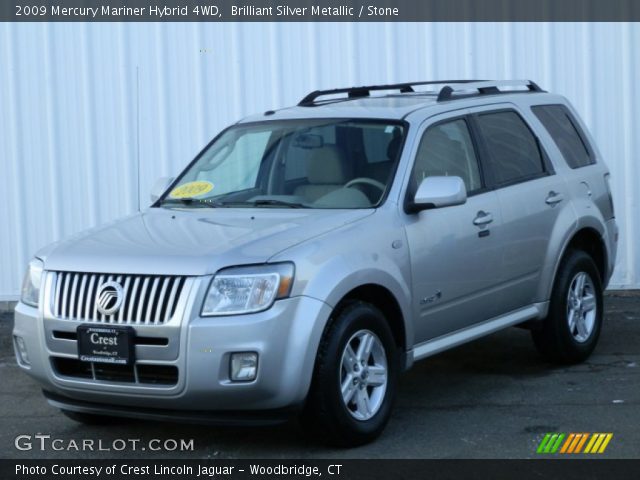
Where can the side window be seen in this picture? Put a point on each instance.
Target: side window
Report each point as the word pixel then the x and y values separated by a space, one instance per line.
pixel 512 149
pixel 446 149
pixel 566 134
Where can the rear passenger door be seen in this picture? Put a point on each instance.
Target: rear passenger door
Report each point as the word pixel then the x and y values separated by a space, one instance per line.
pixel 530 194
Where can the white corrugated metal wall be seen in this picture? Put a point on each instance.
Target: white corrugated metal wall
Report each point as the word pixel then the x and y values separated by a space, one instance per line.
pixel 81 103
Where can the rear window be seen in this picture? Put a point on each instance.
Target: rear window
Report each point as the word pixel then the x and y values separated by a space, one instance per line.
pixel 566 134
pixel 513 151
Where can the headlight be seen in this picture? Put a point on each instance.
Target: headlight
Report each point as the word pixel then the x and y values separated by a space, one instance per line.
pixel 248 289
pixel 31 285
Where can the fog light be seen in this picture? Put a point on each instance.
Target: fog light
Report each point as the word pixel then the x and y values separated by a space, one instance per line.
pixel 244 366
pixel 21 351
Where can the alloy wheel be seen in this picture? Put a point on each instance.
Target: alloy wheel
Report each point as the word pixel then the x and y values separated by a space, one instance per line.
pixel 581 307
pixel 363 374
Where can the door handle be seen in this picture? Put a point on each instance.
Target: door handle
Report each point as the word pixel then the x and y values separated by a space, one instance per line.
pixel 554 198
pixel 483 218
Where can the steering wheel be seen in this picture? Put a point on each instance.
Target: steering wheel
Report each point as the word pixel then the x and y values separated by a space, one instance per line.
pixel 366 181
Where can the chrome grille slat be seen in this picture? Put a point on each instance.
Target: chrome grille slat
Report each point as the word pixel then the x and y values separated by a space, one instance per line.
pixel 107 318
pixel 143 296
pixel 96 315
pixel 147 300
pixel 171 304
pixel 90 296
pixel 150 303
pixel 121 318
pixel 58 303
pixel 134 292
pixel 72 300
pixel 65 295
pixel 81 296
pixel 163 291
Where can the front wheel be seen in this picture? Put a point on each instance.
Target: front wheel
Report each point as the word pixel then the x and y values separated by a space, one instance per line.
pixel 355 378
pixel 572 328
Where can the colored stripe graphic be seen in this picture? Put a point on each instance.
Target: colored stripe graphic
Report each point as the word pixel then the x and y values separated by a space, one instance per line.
pixel 556 445
pixel 543 443
pixel 581 443
pixel 605 443
pixel 565 447
pixel 573 448
pixel 598 443
pixel 550 443
pixel 594 437
pixel 574 443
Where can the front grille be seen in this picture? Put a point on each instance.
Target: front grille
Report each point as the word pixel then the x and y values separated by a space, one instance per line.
pixel 147 299
pixel 135 374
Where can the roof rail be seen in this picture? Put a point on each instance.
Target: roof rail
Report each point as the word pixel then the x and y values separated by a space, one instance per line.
pixel 482 87
pixel 486 88
pixel 364 91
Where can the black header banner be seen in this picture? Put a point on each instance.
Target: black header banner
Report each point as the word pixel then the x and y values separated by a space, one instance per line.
pixel 319 10
pixel 336 469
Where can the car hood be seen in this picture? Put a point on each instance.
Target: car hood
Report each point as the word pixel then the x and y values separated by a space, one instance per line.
pixel 191 241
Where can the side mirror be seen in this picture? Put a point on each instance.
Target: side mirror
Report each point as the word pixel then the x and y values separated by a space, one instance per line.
pixel 159 187
pixel 438 192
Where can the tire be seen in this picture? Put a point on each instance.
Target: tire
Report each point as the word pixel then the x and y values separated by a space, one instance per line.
pixel 89 418
pixel 356 421
pixel 571 330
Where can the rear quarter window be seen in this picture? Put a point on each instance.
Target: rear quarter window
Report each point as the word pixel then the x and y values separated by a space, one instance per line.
pixel 513 151
pixel 566 134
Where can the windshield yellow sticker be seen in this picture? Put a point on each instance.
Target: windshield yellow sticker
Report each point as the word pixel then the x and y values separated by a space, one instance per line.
pixel 191 189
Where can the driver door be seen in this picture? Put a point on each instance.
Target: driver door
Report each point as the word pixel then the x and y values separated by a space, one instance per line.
pixel 455 251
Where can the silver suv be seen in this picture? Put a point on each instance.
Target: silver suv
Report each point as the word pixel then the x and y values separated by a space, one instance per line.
pixel 307 256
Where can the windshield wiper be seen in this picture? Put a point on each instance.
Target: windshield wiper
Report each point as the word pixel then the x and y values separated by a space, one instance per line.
pixel 190 201
pixel 267 202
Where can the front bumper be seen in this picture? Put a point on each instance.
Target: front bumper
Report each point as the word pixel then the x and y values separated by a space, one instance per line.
pixel 198 417
pixel 286 337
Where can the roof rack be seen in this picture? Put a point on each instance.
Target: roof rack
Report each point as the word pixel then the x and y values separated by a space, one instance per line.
pixel 364 91
pixel 483 87
pixel 486 88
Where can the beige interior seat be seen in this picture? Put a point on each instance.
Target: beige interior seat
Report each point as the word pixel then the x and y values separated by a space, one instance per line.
pixel 328 170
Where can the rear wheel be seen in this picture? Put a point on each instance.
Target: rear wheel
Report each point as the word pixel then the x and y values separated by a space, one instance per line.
pixel 572 328
pixel 355 378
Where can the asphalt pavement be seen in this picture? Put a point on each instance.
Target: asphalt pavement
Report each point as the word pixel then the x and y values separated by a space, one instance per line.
pixel 493 398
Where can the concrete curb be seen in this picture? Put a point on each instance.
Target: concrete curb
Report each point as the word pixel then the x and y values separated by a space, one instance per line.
pixel 622 293
pixel 7 307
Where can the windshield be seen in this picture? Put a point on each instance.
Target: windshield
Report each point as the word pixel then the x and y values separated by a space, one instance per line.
pixel 293 164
